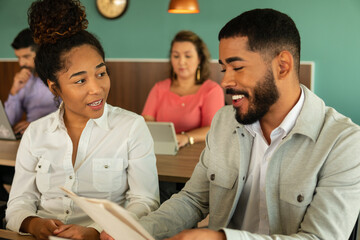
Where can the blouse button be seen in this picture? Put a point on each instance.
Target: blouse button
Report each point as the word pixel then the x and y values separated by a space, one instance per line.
pixel 212 177
pixel 106 166
pixel 39 166
pixel 300 198
pixel 70 177
pixel 67 212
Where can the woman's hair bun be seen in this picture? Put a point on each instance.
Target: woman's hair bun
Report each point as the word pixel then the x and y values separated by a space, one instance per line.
pixel 51 20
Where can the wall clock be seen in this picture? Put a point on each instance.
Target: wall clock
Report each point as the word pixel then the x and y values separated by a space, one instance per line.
pixel 111 8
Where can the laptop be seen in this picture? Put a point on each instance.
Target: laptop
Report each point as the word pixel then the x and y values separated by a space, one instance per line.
pixel 6 131
pixel 164 137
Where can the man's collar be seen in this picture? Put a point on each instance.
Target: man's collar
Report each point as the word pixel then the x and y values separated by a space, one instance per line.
pixel 311 116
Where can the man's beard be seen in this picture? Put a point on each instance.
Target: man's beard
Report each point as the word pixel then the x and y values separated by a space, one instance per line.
pixel 265 95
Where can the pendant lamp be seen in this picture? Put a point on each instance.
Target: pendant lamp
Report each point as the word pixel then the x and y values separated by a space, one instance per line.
pixel 184 6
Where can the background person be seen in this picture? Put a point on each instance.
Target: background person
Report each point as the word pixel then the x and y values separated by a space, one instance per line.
pixel 28 93
pixel 93 149
pixel 279 164
pixel 189 99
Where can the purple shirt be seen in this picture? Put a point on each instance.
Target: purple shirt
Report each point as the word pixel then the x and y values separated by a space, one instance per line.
pixel 35 99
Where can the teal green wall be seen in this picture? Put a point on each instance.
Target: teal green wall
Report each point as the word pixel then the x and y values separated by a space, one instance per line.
pixel 330 31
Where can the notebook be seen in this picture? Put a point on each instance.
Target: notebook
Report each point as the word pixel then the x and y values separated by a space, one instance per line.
pixel 164 137
pixel 6 131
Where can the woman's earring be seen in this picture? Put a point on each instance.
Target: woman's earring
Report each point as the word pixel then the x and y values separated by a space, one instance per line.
pixel 56 95
pixel 198 74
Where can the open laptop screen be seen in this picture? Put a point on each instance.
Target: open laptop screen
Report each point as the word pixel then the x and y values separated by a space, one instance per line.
pixel 6 131
pixel 164 137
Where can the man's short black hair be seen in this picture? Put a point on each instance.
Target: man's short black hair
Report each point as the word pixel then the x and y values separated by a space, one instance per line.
pixel 24 40
pixel 268 31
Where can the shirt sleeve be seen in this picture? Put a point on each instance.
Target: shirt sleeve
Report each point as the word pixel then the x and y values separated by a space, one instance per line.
pixel 186 208
pixel 213 101
pixel 24 195
pixel 143 193
pixel 152 102
pixel 13 107
pixel 96 226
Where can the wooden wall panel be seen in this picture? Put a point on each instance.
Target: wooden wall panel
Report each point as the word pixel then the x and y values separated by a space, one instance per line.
pixel 7 73
pixel 132 81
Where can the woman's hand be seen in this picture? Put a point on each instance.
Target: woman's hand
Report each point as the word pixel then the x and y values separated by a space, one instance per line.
pixel 73 231
pixel 40 228
pixel 182 140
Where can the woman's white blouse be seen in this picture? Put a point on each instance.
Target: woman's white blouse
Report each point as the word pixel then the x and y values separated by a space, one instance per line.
pixel 115 161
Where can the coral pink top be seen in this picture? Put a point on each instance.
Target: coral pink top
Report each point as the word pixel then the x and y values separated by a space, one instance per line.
pixel 186 112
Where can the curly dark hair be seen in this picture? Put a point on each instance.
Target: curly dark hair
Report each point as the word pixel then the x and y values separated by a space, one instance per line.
pixel 268 31
pixel 58 26
pixel 201 49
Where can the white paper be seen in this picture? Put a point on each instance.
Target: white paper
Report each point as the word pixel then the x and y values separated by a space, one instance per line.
pixel 114 219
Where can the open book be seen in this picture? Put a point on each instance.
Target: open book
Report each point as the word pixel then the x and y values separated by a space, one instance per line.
pixel 114 219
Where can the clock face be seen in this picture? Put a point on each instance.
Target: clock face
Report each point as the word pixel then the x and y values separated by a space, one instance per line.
pixel 111 8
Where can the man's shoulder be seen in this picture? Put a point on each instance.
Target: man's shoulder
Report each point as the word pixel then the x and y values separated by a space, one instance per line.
pixel 336 121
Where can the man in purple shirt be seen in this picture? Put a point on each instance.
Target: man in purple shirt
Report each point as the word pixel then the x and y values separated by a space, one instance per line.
pixel 28 95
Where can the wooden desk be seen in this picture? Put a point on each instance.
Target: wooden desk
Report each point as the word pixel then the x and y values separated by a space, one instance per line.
pixel 170 168
pixel 6 234
pixel 8 150
pixel 179 168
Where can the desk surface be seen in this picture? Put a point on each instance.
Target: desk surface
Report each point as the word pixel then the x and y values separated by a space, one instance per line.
pixel 6 234
pixel 8 151
pixel 177 168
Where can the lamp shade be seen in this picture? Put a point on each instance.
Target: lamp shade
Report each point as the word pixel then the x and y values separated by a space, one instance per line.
pixel 184 6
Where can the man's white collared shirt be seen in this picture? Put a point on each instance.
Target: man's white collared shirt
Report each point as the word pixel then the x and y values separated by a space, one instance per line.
pixel 251 213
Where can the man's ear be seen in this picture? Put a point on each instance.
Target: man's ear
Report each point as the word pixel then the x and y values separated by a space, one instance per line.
pixel 285 64
pixel 52 87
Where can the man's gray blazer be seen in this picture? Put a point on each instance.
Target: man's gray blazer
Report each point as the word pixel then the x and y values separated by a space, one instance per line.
pixel 312 180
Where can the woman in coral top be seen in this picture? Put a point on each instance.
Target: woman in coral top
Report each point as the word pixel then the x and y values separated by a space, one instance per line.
pixel 188 99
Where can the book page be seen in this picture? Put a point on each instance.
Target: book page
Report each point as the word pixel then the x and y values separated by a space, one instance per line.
pixel 114 219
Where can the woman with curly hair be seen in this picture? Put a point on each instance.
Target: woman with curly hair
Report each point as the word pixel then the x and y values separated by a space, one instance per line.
pixel 94 149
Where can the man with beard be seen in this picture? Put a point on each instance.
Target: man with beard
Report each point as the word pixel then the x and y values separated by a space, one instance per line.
pixel 28 95
pixel 278 164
